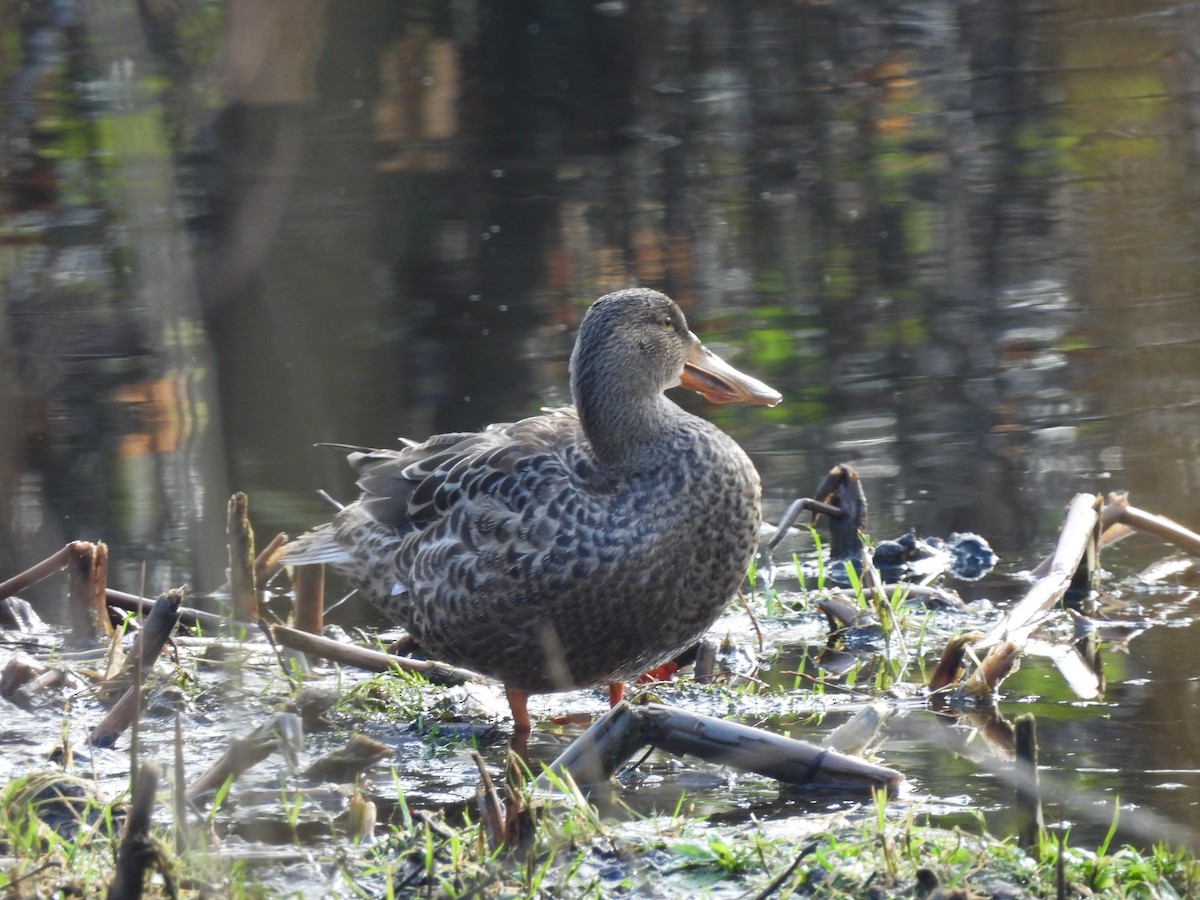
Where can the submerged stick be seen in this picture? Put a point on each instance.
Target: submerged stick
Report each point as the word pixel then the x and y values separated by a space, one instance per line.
pixel 371 660
pixel 283 732
pixel 756 750
pixel 137 849
pixel 241 559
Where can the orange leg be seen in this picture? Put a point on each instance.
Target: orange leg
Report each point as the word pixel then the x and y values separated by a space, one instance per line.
pixel 616 693
pixel 518 701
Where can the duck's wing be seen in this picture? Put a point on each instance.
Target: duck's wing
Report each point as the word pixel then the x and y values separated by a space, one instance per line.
pixel 412 488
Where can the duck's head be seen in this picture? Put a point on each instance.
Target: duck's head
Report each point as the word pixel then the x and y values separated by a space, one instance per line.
pixel 635 344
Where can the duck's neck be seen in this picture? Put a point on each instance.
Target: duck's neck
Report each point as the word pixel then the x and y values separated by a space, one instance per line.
pixel 622 422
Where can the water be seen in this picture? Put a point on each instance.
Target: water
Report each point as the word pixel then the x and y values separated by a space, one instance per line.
pixel 960 238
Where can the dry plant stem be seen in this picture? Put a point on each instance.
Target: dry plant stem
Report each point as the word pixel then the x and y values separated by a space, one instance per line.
pixel 179 792
pixel 310 598
pixel 756 750
pixel 1029 798
pixel 137 849
pixel 241 559
pixel 950 666
pixel 487 801
pixel 267 564
pixel 1078 531
pixel 148 644
pixel 597 753
pixel 188 617
pixel 118 718
pixel 280 732
pixel 370 660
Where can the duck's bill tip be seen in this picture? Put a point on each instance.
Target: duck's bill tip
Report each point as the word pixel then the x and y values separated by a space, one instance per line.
pixel 719 382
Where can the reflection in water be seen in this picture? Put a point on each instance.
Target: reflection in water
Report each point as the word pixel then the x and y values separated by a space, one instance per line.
pixel 959 238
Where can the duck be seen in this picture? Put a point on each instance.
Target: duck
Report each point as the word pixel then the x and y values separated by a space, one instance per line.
pixel 576 548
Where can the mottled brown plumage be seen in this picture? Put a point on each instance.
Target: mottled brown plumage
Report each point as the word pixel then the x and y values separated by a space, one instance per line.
pixel 578 547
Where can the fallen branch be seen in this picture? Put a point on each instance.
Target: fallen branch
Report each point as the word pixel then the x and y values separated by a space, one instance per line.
pixel 755 750
pixel 188 617
pixel 370 660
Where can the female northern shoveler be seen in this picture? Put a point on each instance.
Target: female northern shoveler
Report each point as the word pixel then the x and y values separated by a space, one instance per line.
pixel 575 548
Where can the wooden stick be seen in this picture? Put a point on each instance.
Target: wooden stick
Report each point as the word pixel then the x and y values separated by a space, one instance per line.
pixel 242 593
pixel 137 849
pixel 268 563
pixel 596 754
pixel 38 571
pixel 1162 527
pixel 756 750
pixel 1078 530
pixel 371 660
pixel 147 645
pixel 188 617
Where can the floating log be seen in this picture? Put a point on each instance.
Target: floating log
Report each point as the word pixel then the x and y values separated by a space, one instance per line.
pixel 242 587
pixel 371 660
pixel 853 736
pixel 755 750
pixel 137 848
pixel 793 513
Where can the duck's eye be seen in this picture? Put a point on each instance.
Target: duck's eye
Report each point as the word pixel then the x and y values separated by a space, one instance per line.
pixel 667 323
